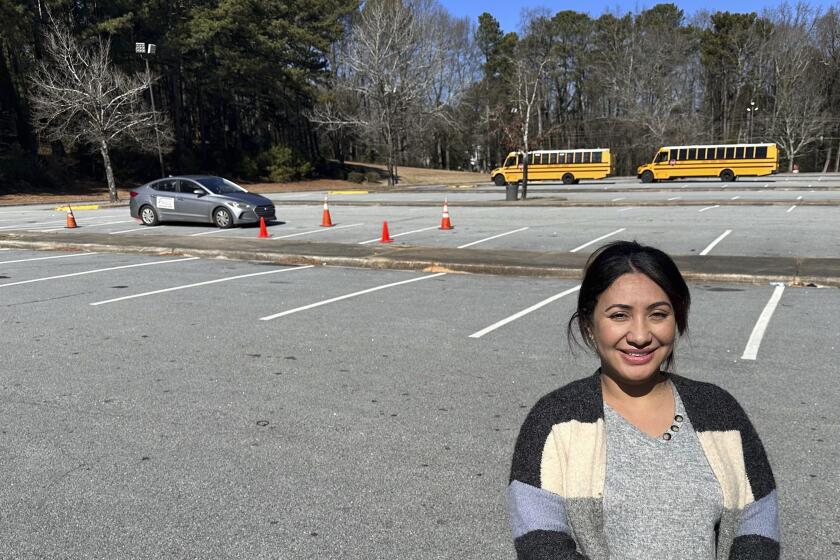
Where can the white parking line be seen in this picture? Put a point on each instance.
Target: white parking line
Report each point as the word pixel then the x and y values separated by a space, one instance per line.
pixel 522 313
pixel 674 198
pixel 185 286
pixel 735 198
pixel 626 209
pixel 89 225
pixel 319 230
pixel 347 296
pixel 141 228
pixel 715 242
pixel 799 197
pixel 398 235
pixel 490 238
pixel 790 209
pixel 619 198
pixel 709 208
pixel 751 350
pixel 95 271
pixel 576 249
pixel 32 225
pixel 46 258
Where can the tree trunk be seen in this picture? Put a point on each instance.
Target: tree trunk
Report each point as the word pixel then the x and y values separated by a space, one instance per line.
pixel 525 175
pixel 109 172
pixel 827 160
pixel 837 160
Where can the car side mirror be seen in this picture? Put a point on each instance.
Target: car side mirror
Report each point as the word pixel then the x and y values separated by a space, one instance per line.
pixel 199 192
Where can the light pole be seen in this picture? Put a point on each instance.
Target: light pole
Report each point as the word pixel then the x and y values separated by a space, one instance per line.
pixel 145 51
pixel 750 119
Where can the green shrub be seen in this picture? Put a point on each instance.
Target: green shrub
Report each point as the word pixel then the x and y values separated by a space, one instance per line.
pixel 282 164
pixel 355 177
pixel 248 167
pixel 372 177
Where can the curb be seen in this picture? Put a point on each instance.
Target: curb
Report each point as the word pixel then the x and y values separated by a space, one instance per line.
pixel 77 207
pixel 721 269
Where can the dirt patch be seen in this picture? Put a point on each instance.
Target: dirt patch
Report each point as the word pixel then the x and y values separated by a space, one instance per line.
pixel 90 192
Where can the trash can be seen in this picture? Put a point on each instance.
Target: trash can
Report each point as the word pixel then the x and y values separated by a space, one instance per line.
pixel 511 190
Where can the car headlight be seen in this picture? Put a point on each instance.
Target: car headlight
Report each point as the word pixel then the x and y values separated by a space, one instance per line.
pixel 240 205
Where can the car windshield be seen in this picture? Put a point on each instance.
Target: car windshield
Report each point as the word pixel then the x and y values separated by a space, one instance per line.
pixel 218 185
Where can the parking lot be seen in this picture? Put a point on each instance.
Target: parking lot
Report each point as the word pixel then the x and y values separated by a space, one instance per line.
pixel 187 407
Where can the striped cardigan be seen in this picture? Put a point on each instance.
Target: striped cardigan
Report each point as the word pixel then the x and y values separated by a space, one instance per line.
pixel 556 486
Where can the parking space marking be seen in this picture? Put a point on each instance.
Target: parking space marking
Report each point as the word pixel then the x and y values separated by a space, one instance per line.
pixel 626 209
pixel 398 234
pixel 32 225
pixel 47 258
pixel 128 230
pixel 515 316
pixel 348 296
pixel 319 230
pixel 619 198
pixel 711 245
pixel 491 238
pixel 709 208
pixel 751 350
pixel 196 284
pixel 735 198
pixel 790 209
pixel 576 249
pixel 88 225
pixel 95 271
pixel 674 198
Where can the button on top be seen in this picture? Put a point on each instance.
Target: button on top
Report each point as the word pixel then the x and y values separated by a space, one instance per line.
pixel 666 436
pixel 678 418
pixel 675 428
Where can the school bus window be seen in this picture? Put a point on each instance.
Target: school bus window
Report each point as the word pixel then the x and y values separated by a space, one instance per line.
pixel 761 152
pixel 577 157
pixel 750 152
pixel 596 157
pixel 587 157
pixel 701 153
pixel 552 159
pixel 730 152
pixel 720 152
pixel 692 153
pixel 739 152
pixel 683 154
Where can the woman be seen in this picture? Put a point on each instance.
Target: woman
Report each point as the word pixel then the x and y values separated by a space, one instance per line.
pixel 635 462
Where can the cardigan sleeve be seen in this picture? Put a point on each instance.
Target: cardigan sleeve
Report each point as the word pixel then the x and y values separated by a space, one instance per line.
pixel 540 524
pixel 757 534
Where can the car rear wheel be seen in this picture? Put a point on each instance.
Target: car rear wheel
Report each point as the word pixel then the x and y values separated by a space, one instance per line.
pixel 568 179
pixel 727 176
pixel 149 216
pixel 499 179
pixel 222 218
pixel 647 177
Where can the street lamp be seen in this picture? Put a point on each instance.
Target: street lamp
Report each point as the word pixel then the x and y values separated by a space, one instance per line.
pixel 750 119
pixel 145 51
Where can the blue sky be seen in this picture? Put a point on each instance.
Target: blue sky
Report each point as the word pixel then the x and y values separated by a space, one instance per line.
pixel 508 11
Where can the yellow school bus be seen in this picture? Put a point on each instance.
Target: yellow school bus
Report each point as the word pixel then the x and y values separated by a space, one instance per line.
pixel 569 166
pixel 727 161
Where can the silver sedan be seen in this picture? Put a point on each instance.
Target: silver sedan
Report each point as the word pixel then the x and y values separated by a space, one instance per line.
pixel 198 198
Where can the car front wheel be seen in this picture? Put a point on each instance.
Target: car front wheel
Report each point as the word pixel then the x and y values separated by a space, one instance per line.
pixel 149 216
pixel 222 218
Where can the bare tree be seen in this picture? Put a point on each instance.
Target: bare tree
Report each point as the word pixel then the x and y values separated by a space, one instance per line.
pixel 78 96
pixel 798 119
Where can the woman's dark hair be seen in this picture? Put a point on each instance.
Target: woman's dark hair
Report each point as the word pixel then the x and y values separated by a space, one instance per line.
pixel 615 259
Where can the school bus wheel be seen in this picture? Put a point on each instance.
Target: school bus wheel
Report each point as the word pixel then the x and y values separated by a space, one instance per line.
pixel 727 176
pixel 568 179
pixel 647 177
pixel 499 179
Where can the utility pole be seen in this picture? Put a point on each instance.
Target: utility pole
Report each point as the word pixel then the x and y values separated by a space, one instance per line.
pixel 145 51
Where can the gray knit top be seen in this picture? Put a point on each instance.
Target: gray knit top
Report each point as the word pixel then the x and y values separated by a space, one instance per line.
pixel 661 497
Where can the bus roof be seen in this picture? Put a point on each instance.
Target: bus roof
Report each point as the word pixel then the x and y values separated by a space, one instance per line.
pixel 715 146
pixel 564 151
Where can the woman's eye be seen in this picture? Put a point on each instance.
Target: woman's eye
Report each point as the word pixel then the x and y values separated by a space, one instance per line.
pixel 660 315
pixel 618 316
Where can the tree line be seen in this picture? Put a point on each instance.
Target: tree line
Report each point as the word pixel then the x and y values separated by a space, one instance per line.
pixel 283 89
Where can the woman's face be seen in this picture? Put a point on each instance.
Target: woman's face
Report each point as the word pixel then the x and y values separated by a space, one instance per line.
pixel 634 328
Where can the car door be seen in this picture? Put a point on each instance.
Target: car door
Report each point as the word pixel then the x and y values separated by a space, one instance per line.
pixel 163 198
pixel 191 206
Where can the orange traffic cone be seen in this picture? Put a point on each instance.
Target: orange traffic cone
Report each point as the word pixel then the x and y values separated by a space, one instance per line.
pixel 444 221
pixel 263 230
pixel 326 221
pixel 71 219
pixel 386 237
